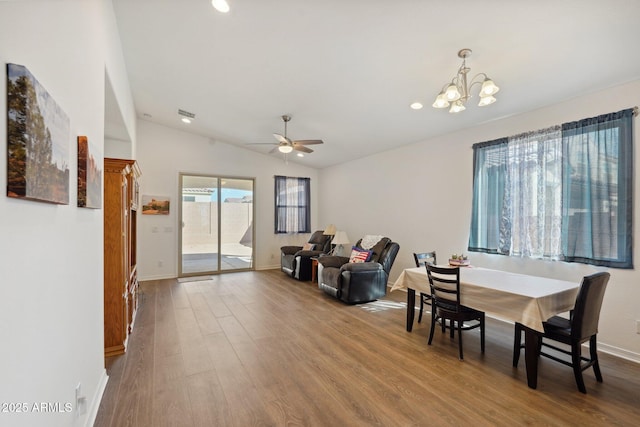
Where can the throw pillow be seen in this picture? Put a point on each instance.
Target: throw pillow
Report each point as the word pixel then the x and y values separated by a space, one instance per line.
pixel 308 247
pixel 359 255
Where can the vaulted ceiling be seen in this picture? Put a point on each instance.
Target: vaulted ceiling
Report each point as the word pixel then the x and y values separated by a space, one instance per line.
pixel 347 70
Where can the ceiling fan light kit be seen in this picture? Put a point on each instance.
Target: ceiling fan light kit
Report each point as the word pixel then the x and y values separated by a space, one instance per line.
pixel 456 93
pixel 285 145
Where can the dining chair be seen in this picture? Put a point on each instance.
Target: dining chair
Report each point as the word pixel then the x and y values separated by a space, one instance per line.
pixel 581 326
pixel 445 304
pixel 421 258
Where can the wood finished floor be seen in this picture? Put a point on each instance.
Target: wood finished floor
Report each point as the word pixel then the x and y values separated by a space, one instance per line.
pixel 261 349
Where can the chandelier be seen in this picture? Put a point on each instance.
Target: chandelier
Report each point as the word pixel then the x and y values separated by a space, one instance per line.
pixel 458 91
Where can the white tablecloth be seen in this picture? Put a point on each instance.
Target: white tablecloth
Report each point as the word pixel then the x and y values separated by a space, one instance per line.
pixel 529 300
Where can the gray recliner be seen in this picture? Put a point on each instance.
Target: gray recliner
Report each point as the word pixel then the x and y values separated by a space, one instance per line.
pixel 296 262
pixel 358 282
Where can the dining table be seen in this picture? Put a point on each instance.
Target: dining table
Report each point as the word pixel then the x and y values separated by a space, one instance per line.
pixel 512 297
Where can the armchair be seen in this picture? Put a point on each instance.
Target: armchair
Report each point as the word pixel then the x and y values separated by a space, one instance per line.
pixel 296 261
pixel 358 282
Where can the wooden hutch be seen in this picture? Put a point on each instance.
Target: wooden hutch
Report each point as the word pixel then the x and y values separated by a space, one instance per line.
pixel 121 195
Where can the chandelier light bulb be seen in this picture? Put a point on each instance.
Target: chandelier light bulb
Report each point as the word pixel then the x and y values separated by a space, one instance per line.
pixel 488 88
pixel 486 100
pixel 457 107
pixel 285 149
pixel 440 102
pixel 452 93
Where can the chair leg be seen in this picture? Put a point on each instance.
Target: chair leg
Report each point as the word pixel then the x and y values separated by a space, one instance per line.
pixel 433 325
pixel 593 350
pixel 517 344
pixel 459 337
pixel 577 370
pixel 482 333
pixel 421 307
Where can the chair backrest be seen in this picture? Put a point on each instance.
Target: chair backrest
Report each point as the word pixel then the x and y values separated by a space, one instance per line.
pixel 384 252
pixel 388 256
pixel 321 240
pixel 586 312
pixel 378 249
pixel 445 286
pixel 421 258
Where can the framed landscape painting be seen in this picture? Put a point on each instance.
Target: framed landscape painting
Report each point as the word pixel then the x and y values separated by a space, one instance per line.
pixel 37 141
pixel 155 205
pixel 89 176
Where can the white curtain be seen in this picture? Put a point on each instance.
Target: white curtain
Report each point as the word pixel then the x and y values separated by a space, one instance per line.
pixel 533 194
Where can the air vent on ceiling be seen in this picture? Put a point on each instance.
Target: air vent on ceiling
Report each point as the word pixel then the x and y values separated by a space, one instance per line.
pixel 186 114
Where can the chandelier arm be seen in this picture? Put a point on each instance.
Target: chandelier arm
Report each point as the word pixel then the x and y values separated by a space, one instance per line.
pixel 478 82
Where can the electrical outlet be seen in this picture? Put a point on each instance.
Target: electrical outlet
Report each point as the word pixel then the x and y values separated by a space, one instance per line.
pixel 81 401
pixel 160 263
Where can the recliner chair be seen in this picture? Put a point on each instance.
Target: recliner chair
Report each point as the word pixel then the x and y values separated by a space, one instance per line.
pixel 296 261
pixel 358 282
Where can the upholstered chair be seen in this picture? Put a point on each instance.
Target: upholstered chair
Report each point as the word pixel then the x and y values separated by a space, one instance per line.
pixel 363 276
pixel 296 260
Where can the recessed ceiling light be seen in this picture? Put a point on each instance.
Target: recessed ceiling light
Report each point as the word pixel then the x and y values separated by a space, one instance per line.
pixel 220 5
pixel 416 106
pixel 186 120
pixel 300 155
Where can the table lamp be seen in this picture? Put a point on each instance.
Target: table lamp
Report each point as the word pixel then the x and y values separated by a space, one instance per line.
pixel 339 240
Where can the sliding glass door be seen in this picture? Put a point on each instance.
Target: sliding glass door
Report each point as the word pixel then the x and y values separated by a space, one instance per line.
pixel 217 224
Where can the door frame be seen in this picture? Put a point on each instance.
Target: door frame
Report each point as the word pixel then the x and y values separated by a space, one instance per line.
pixel 219 188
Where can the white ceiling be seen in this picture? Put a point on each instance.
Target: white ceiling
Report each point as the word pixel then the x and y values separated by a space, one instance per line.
pixel 347 70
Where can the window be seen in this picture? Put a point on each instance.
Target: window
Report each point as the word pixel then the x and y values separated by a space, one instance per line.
pixel 292 205
pixel 559 193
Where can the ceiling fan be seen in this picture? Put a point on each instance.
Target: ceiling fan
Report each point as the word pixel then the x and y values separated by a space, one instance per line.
pixel 286 145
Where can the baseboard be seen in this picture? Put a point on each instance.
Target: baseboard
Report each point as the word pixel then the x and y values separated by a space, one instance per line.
pixel 619 352
pixel 268 267
pixel 97 398
pixel 158 277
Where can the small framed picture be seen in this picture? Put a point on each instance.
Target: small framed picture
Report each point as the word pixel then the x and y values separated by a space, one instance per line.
pixel 155 205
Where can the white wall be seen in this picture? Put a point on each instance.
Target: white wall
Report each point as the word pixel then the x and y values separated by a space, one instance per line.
pixel 164 152
pixel 51 299
pixel 117 149
pixel 420 196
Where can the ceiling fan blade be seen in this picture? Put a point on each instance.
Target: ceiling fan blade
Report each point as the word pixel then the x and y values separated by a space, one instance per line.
pixel 261 143
pixel 281 138
pixel 302 148
pixel 308 141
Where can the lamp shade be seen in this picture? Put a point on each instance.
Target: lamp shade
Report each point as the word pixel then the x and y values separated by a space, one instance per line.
pixel 456 107
pixel 486 100
pixel 441 101
pixel 285 148
pixel 488 88
pixel 341 238
pixel 330 230
pixel 451 93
